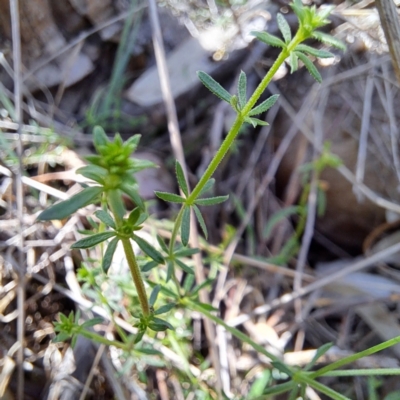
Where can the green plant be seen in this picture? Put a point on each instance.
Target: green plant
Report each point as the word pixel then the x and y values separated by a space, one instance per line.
pixel 112 171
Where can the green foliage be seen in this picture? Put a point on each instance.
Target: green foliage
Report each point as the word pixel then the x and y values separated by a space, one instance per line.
pixel 113 170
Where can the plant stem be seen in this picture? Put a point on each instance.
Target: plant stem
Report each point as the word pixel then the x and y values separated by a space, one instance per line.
pixel 354 357
pixel 101 339
pixel 136 276
pixel 113 200
pixel 235 332
pixel 227 143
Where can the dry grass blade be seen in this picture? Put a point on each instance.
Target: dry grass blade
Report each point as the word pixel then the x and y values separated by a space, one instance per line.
pixel 16 43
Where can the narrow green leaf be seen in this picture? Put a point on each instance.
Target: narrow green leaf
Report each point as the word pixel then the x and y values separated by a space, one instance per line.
pixel 293 62
pixel 162 244
pixel 105 217
pixel 92 322
pixel 164 309
pixel 201 220
pixel 149 266
pixel 61 337
pixel 148 249
pixel 269 39
pixel 133 193
pixel 93 240
pixel 255 121
pixel 319 353
pixel 210 183
pixel 281 367
pixel 265 105
pixel 185 227
pixel 278 217
pixel 207 282
pixel 162 322
pixel 214 87
pixel 181 178
pixel 99 137
pixel 234 103
pixel 170 270
pixel 210 201
pixel 93 172
pixel 68 207
pixel 139 336
pixel 134 216
pixel 186 252
pixel 188 283
pixel 260 383
pixel 329 40
pixel 108 255
pixel 242 89
pixel 284 28
pixel 157 327
pixel 171 197
pixel 310 66
pixel 154 295
pixel 314 52
pixel 148 351
pixel 184 267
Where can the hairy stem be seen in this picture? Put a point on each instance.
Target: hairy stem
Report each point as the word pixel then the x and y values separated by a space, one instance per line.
pixel 227 143
pixel 136 276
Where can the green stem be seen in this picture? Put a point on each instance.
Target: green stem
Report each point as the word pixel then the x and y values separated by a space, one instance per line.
pixel 101 339
pixel 354 357
pixel 136 276
pixel 114 201
pixel 302 378
pixel 235 332
pixel 227 143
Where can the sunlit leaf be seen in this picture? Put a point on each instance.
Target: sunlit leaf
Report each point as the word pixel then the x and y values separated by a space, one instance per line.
pixel 284 28
pixel 154 295
pixel 164 309
pixel 210 201
pixel 133 193
pixel 185 227
pixel 68 207
pixel 329 40
pixel 105 217
pixel 314 52
pixel 242 89
pixel 201 220
pixel 148 249
pixel 93 240
pixel 93 172
pixel 171 197
pixel 181 178
pixel 310 66
pixel 214 87
pixel 269 39
pixel 108 254
pixel 184 267
pixel 255 121
pixel 293 62
pixel 265 105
